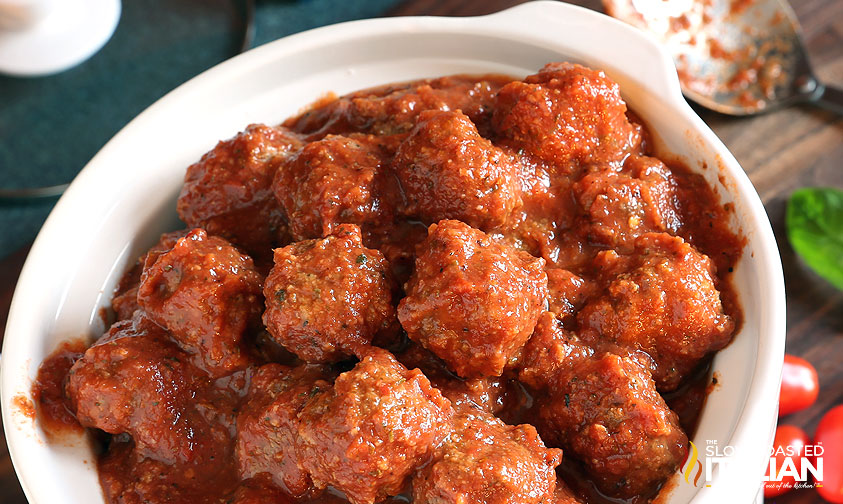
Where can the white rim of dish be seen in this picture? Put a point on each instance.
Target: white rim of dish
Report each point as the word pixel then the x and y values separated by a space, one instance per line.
pixel 534 22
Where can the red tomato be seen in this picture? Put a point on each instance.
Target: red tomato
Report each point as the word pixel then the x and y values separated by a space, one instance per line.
pixel 789 440
pixel 830 436
pixel 800 385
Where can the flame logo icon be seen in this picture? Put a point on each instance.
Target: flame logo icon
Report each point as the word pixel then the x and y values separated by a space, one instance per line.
pixel 690 462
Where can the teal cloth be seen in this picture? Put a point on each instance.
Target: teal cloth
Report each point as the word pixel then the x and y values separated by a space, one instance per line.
pixel 50 127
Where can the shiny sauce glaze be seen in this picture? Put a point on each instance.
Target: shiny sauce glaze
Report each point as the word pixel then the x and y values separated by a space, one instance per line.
pixel 467 289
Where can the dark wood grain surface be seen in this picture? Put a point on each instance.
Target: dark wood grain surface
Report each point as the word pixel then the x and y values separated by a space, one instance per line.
pixel 781 151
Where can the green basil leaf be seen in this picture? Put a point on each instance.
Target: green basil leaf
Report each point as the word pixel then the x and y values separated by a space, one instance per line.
pixel 815 230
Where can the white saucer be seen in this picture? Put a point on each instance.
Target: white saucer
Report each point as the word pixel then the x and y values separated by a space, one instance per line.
pixel 70 34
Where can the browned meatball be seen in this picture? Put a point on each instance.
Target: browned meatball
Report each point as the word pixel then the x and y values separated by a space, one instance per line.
pixel 621 206
pixel 207 294
pixel 566 113
pixel 229 191
pixel 326 299
pixel 448 171
pixel 367 434
pixel 550 350
pixel 485 461
pixel 472 301
pixel 662 300
pixel 606 412
pixel 337 180
pixel 267 426
pixel 125 300
pixel 395 108
pixel 135 380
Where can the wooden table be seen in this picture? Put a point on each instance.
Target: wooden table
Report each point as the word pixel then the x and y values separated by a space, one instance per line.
pixel 780 151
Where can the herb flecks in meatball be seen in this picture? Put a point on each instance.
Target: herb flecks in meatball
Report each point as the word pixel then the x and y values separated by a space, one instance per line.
pixel 207 294
pixel 448 171
pixel 327 299
pixel 367 434
pixel 472 301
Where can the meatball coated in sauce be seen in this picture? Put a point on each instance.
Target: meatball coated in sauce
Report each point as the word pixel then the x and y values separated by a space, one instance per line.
pixel 337 180
pixel 367 434
pixel 135 380
pixel 661 299
pixel 620 206
pixel 267 426
pixel 472 301
pixel 605 411
pixel 448 171
pixel 566 114
pixel 485 461
pixel 206 294
pixel 327 299
pixel 229 191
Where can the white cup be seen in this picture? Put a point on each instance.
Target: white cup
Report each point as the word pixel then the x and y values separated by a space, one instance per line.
pixel 22 14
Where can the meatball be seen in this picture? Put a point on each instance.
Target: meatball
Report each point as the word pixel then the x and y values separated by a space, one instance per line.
pixel 394 109
pixel 622 206
pixel 135 380
pixel 662 300
pixel 472 301
pixel 327 299
pixel 267 426
pixel 367 434
pixel 605 411
pixel 448 171
pixel 485 461
pixel 566 114
pixel 229 191
pixel 125 300
pixel 337 180
pixel 550 350
pixel 207 294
